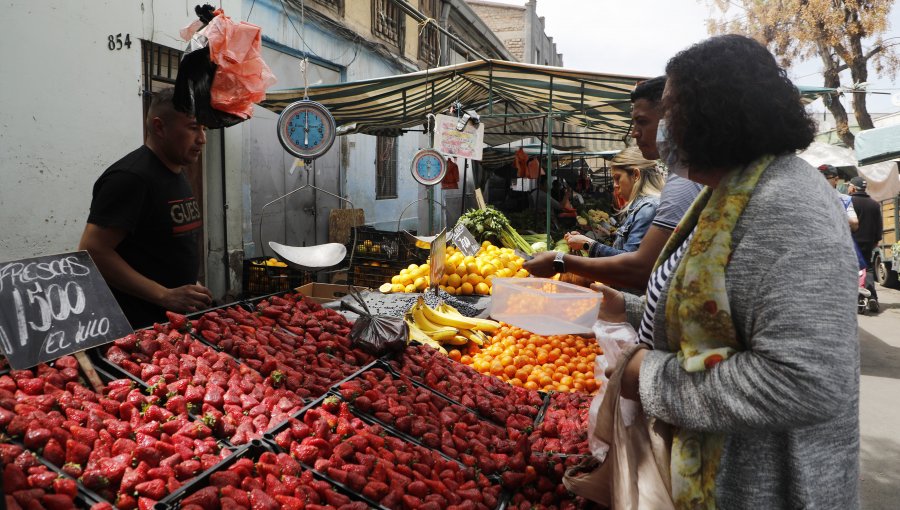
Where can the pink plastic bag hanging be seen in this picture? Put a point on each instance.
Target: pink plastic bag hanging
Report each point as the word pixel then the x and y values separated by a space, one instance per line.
pixel 242 76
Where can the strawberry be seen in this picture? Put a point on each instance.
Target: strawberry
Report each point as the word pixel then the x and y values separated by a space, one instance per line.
pixel 154 489
pixel 72 469
pixel 259 500
pixel 36 438
pixel 65 486
pixel 178 321
pixel 14 478
pixel 57 502
pixel 206 498
pixel 126 502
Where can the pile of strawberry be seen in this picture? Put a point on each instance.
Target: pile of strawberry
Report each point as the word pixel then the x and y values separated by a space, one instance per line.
pixel 295 363
pixel 381 467
pixel 435 422
pixel 564 426
pixel 122 443
pixel 323 328
pixel 491 397
pixel 272 482
pixel 29 484
pixel 235 401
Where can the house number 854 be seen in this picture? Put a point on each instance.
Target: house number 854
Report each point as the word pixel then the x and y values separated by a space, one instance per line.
pixel 115 42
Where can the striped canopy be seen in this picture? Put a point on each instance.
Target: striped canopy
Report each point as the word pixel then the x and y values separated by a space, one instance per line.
pixel 591 111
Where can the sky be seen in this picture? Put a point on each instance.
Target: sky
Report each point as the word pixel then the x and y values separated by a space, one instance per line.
pixel 637 37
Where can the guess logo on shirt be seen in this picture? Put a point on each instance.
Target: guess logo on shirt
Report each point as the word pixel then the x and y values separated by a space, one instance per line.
pixel 185 214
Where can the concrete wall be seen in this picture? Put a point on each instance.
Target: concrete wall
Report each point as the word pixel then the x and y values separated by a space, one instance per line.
pixel 507 22
pixel 69 107
pixel 521 30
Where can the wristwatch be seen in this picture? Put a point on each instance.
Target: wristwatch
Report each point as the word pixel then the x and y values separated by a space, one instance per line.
pixel 587 246
pixel 559 265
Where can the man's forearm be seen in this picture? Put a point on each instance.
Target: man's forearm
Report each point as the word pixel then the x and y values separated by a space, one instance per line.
pixel 631 269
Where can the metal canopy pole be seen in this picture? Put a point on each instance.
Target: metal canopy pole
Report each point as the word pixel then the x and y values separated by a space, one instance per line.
pixel 549 160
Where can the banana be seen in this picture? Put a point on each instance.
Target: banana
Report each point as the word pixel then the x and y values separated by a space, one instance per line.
pixel 457 340
pixel 479 324
pixel 473 336
pixel 446 319
pixel 419 336
pixel 429 328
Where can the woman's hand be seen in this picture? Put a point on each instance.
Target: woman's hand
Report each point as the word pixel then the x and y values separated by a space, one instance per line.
pixel 612 309
pixel 576 241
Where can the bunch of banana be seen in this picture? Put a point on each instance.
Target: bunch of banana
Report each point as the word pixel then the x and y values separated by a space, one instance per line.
pixel 444 325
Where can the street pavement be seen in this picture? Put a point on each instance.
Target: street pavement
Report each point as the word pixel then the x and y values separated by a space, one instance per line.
pixel 879 406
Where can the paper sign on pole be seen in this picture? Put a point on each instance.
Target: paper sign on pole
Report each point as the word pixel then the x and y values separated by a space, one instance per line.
pixel 467 143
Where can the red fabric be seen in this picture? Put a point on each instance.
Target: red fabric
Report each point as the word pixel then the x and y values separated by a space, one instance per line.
pixel 521 163
pixel 451 178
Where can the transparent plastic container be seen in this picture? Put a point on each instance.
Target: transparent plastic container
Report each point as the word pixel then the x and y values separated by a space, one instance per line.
pixel 544 306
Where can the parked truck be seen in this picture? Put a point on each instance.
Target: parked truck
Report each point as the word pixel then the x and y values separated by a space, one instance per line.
pixel 886 257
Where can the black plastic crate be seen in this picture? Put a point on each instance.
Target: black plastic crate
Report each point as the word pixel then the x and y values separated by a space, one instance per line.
pixel 85 498
pixel 369 243
pixel 260 279
pixel 371 274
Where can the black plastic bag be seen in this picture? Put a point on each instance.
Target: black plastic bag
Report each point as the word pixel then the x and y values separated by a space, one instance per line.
pixel 193 82
pixel 378 334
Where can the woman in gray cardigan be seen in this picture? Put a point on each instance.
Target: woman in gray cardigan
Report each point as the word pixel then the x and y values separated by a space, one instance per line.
pixel 751 310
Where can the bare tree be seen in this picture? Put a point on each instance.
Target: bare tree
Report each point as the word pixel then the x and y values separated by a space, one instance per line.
pixel 847 35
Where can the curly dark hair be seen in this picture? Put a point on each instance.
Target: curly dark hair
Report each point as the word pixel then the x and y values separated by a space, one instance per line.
pixel 728 103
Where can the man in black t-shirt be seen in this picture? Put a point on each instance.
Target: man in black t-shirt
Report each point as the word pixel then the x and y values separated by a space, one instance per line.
pixel 144 221
pixel 870 231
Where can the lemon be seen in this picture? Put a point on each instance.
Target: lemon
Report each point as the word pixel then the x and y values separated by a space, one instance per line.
pixel 482 289
pixel 461 270
pixel 396 279
pixel 444 280
pixel 396 287
pixel 466 289
pixel 406 280
pixel 472 268
pixel 449 268
pixel 420 283
pixel 488 269
pixel 386 288
pixel 454 280
pixel 412 267
pixel 450 290
pixel 474 279
pixel 410 288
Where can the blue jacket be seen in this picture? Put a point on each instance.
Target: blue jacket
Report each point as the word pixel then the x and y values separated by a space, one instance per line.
pixel 630 233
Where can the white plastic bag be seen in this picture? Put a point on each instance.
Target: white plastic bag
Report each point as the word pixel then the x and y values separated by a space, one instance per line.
pixel 613 338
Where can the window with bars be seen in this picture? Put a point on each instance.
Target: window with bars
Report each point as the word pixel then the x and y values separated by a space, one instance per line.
pixel 335 5
pixel 429 37
pixel 160 68
pixel 387 21
pixel 386 167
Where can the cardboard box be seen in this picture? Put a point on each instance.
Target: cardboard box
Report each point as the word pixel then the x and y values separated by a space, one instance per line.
pixel 323 292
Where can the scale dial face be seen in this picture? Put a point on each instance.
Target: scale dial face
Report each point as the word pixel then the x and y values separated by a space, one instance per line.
pixel 306 129
pixel 429 167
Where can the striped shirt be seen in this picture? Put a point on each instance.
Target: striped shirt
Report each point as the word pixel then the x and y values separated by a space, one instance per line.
pixel 657 283
pixel 677 196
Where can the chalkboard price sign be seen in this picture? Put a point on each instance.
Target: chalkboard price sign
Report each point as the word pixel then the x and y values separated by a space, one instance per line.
pixel 464 240
pixel 55 305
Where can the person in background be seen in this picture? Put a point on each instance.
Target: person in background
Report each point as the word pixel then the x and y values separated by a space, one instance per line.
pixel 831 175
pixel 632 269
pixel 144 220
pixel 640 182
pixel 756 357
pixel 869 233
pixel 556 190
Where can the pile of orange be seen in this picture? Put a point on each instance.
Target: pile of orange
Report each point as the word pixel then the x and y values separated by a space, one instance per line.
pixel 559 363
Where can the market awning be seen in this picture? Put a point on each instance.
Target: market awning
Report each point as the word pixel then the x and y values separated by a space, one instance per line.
pixel 513 100
pixel 591 111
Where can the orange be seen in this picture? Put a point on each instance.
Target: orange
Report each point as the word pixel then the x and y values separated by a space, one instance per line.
pixel 510 371
pixel 454 354
pixel 530 385
pixel 466 289
pixel 562 388
pixel 465 359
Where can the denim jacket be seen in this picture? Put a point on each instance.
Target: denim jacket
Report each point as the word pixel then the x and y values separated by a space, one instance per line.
pixel 629 234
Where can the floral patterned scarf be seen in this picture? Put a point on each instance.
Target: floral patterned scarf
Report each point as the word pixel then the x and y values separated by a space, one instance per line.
pixel 698 319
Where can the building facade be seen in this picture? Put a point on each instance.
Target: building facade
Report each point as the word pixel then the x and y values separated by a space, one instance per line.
pixel 76 104
pixel 521 30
